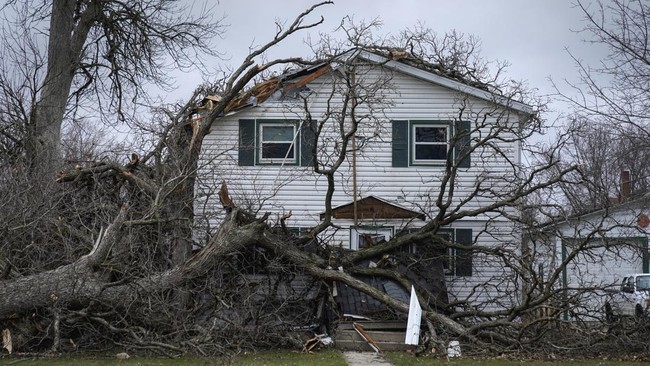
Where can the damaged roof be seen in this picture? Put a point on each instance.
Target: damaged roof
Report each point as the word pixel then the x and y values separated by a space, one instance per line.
pixel 397 60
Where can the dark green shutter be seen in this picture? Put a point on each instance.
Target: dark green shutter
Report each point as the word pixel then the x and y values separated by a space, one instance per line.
pixel 464 257
pixel 463 143
pixel 307 141
pixel 400 143
pixel 246 142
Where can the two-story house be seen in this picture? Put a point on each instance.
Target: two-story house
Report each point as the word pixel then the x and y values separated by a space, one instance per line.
pixel 412 144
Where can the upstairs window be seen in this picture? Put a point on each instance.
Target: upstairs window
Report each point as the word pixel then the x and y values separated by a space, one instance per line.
pixel 276 143
pixel 430 143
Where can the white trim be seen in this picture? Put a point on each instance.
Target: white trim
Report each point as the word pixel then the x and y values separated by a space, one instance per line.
pixel 292 146
pixel 387 231
pixel 414 143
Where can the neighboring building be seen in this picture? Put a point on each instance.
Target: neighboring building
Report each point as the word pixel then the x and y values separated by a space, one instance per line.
pixel 593 251
pixel 396 165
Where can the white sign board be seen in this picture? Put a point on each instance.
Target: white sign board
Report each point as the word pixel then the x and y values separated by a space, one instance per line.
pixel 413 324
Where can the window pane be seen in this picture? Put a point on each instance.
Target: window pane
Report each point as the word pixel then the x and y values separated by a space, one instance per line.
pixel 430 152
pixel 277 150
pixel 431 134
pixel 277 133
pixel 368 240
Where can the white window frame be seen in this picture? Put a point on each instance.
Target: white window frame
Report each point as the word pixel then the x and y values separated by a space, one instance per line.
pixel 414 143
pixel 260 144
pixel 355 232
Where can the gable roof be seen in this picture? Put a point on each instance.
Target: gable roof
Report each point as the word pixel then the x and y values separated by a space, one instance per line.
pixel 636 206
pixel 297 79
pixel 445 81
pixel 372 207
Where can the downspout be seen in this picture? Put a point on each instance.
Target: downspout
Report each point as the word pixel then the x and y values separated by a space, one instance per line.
pixel 355 218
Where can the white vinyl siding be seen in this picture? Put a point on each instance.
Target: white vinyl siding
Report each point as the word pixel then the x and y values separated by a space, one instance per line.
pixel 280 189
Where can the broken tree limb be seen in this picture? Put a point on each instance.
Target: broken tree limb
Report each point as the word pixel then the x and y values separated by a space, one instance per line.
pixel 77 281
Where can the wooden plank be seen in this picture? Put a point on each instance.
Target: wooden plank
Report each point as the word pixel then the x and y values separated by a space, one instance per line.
pixel 366 337
pixel 363 346
pixel 376 325
pixel 377 336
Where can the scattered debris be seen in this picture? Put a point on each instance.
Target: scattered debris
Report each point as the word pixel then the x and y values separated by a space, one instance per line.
pixel 6 340
pixel 320 340
pixel 453 350
pixel 414 318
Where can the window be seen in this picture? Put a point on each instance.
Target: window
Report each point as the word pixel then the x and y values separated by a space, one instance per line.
pixel 643 283
pixel 628 285
pixel 455 261
pixel 276 143
pixel 365 237
pixel 430 143
pixel 421 143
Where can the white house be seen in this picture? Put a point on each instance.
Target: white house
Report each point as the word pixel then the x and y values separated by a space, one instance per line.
pixel 593 251
pixel 428 145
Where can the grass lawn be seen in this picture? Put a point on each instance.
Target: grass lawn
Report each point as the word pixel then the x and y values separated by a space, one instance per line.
pixel 328 357
pixel 405 359
pixel 277 358
pixel 263 358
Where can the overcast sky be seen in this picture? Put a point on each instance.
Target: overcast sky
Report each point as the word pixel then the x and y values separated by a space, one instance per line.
pixel 532 35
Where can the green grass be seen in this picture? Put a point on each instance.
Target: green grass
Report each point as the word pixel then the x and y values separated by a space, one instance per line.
pixel 406 359
pixel 105 361
pixel 328 357
pixel 277 358
pixel 263 358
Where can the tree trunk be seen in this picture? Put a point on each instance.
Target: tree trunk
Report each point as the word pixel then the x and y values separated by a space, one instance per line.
pixel 67 37
pixel 83 280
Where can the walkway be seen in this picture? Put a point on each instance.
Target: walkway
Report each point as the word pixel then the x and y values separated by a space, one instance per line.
pixel 365 359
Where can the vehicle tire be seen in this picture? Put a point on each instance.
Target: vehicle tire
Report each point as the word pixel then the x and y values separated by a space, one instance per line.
pixel 609 313
pixel 638 311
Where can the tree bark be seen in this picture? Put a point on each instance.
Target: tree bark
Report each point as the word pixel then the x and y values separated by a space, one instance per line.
pixel 66 39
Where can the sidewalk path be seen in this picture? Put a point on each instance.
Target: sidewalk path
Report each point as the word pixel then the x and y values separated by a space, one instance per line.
pixel 365 359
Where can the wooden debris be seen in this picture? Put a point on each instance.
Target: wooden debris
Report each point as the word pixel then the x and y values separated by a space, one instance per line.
pixel 307 79
pixel 283 220
pixel 366 337
pixel 224 197
pixel 320 340
pixel 133 161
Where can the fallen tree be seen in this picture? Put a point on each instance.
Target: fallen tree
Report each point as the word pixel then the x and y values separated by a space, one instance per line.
pixel 139 284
